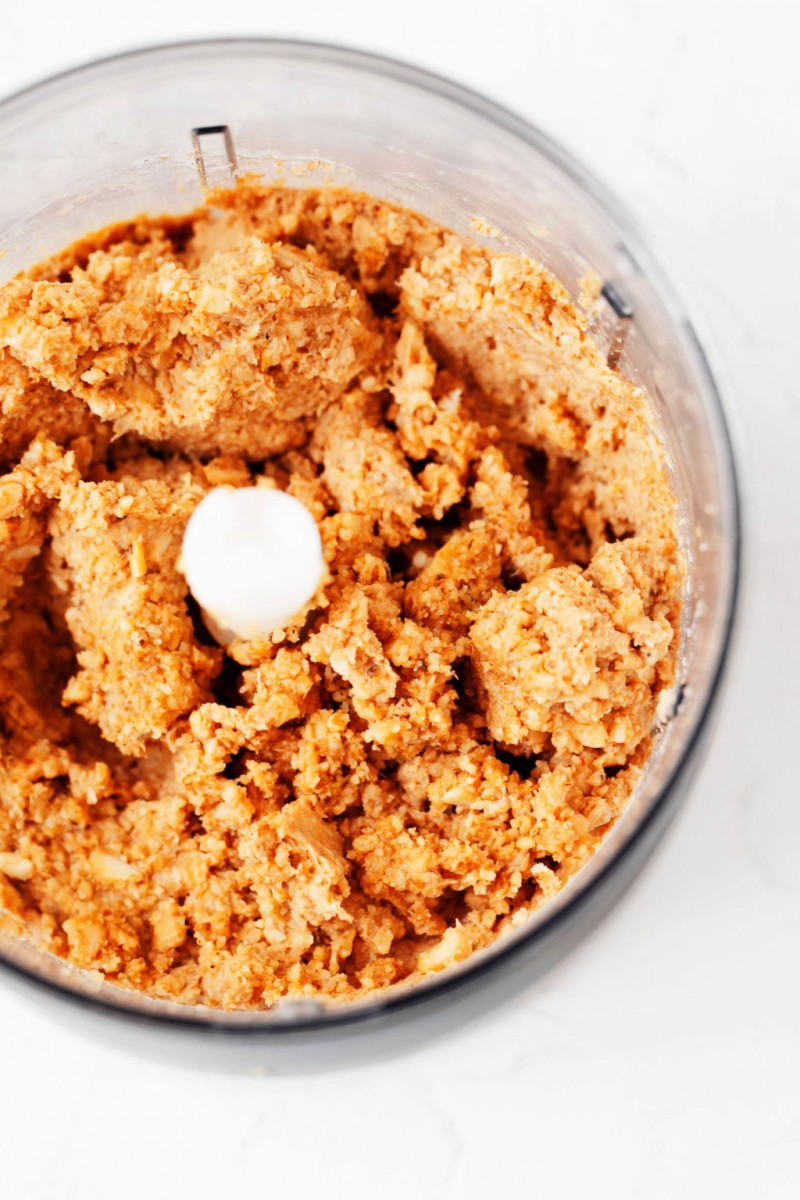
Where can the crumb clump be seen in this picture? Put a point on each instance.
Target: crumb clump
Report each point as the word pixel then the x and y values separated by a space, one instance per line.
pixel 441 738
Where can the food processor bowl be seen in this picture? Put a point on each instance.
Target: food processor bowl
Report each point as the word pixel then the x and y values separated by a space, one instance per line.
pixel 145 131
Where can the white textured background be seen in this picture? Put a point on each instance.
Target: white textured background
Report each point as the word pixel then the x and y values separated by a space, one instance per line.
pixel 662 1059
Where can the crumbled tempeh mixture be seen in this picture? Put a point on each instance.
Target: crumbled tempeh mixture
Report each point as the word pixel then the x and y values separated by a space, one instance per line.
pixel 447 730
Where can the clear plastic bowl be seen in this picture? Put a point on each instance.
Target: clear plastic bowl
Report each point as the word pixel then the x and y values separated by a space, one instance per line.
pixel 114 138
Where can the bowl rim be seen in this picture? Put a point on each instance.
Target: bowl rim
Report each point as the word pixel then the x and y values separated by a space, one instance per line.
pixel 246 1022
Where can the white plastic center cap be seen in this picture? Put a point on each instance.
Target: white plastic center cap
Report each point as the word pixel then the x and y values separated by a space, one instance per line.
pixel 252 558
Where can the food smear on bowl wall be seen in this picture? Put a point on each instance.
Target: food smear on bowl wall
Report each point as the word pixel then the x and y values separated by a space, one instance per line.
pixel 442 733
